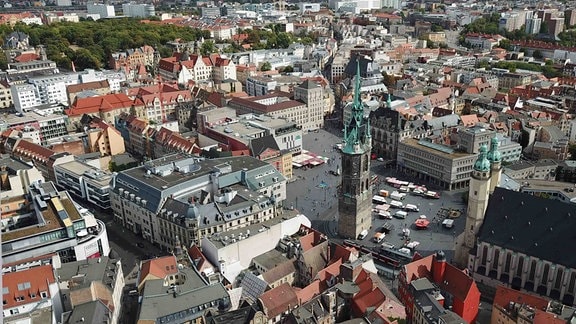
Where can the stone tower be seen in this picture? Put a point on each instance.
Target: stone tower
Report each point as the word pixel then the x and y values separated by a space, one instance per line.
pixel 495 158
pixel 354 204
pixel 478 193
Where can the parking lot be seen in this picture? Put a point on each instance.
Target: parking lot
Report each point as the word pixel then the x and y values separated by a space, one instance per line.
pixel 314 193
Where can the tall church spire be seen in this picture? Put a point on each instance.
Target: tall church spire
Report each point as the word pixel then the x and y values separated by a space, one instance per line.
pixel 357 132
pixel 354 208
pixel 495 158
pixel 389 101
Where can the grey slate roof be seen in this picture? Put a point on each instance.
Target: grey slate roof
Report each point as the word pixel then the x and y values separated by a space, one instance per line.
pixel 94 312
pixel 259 145
pixel 539 227
pixel 159 301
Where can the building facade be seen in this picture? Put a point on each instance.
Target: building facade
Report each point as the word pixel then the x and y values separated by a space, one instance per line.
pixel 195 197
pixel 435 163
pixel 85 182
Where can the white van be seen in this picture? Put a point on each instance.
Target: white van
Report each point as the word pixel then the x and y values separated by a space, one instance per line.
pixel 412 208
pixel 397 195
pixel 362 234
pixel 396 204
pixel 400 214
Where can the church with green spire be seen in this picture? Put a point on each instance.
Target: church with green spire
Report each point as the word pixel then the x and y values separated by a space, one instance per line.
pixel 485 177
pixel 354 204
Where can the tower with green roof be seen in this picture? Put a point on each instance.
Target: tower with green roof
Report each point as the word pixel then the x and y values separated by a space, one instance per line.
pixel 478 193
pixel 495 158
pixel 354 203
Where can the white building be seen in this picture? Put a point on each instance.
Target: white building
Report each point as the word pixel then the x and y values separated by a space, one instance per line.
pixel 355 6
pixel 84 181
pixel 138 10
pixel 52 89
pixel 233 251
pixel 396 4
pixel 103 10
pixel 24 97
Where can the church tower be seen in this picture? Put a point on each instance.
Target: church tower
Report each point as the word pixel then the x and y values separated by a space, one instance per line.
pixel 478 193
pixel 495 158
pixel 354 204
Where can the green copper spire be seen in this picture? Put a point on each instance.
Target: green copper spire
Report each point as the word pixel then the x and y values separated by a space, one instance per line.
pixel 357 132
pixel 482 164
pixel 494 155
pixel 389 101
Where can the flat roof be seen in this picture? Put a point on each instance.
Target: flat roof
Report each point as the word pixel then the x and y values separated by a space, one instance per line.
pixel 270 259
pixel 51 219
pixel 89 172
pixel 435 149
pixel 253 229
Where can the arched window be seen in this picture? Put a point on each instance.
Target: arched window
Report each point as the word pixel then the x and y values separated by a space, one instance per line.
pixel 484 255
pixel 545 274
pixel 532 271
pixel 508 262
pixel 496 259
pixel 520 266
pixel 559 275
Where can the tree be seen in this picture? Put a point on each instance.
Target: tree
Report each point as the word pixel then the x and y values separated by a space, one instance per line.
pixel 437 28
pixel 572 151
pixel 389 80
pixel 266 66
pixel 288 69
pixel 208 48
pixel 537 54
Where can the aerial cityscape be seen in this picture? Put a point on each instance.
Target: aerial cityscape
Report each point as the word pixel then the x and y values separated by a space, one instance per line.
pixel 349 161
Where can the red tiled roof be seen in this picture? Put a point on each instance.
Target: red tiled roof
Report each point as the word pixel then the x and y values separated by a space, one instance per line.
pixel 97 104
pixel 469 120
pixel 199 259
pixel 26 57
pixel 32 151
pixel 158 267
pixel 35 279
pixel 506 295
pixel 278 300
pixel 307 293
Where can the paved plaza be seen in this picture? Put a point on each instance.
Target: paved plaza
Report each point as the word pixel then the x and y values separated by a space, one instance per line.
pixel 314 193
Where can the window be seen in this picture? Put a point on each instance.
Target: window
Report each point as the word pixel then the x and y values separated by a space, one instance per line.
pixel 43 294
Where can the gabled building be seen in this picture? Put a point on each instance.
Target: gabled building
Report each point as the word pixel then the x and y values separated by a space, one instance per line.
pixel 31 295
pixel 87 89
pixel 458 289
pixel 95 279
pixel 44 159
pixel 160 101
pixel 134 57
pixel 105 107
pixel 513 306
pixel 178 294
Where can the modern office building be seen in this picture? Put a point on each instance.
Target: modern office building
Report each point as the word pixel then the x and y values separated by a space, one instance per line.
pixel 50 222
pixel 84 181
pixel 436 163
pixel 138 10
pixel 103 10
